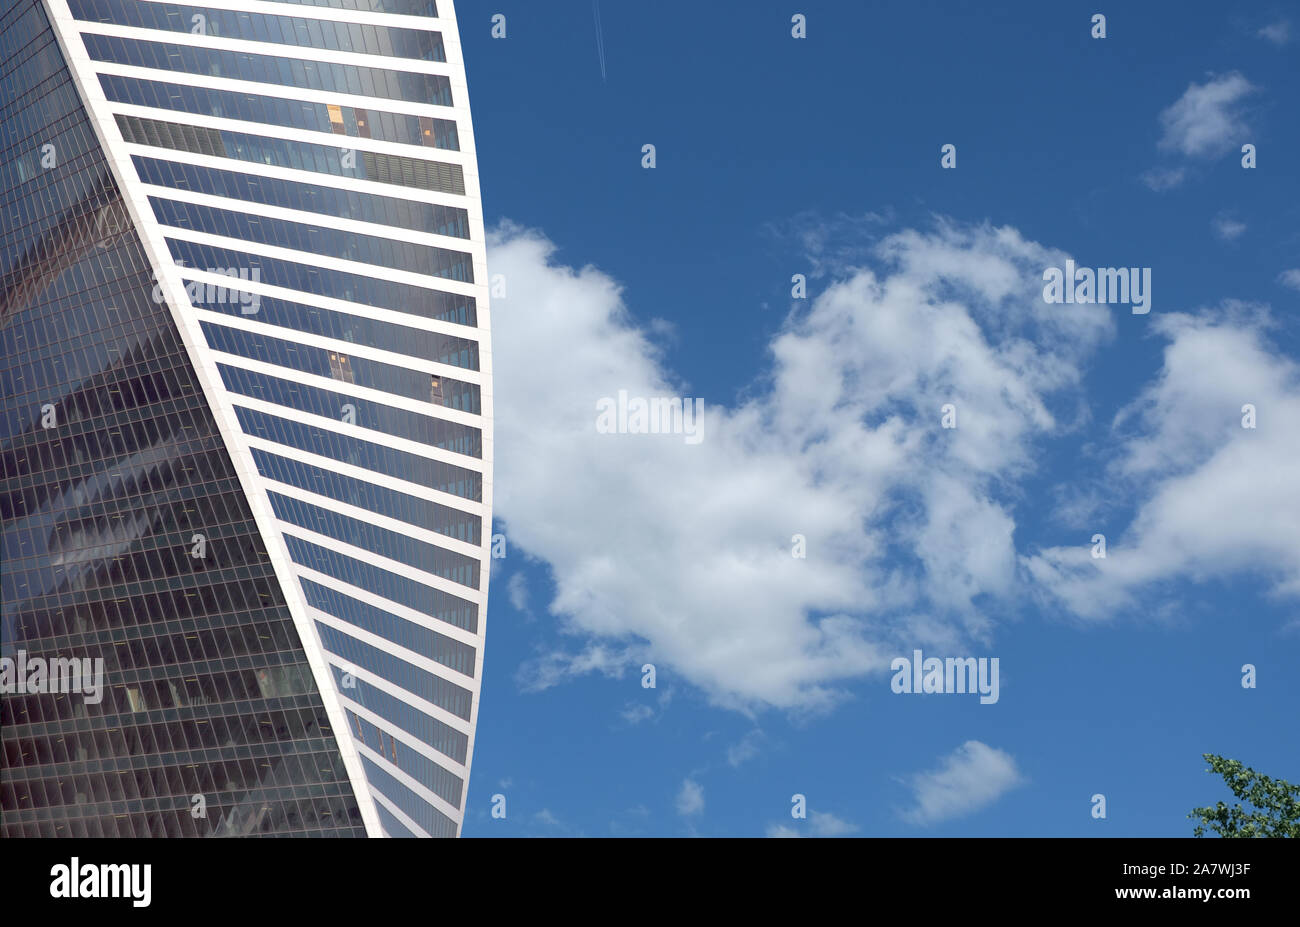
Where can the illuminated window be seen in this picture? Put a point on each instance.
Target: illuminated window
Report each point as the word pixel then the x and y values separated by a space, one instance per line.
pixel 336 120
pixel 341 367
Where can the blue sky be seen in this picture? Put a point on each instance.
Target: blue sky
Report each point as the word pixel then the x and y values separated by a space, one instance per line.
pixel 821 156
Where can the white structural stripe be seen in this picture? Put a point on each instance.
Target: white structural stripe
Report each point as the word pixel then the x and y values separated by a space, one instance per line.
pixel 249 323
pixel 446 629
pixel 437 712
pixel 342 387
pixel 298 175
pixel 293 134
pixel 292 93
pixel 406 529
pixel 188 319
pixel 398 732
pixel 373 104
pixel 368 476
pixel 430 666
pixel 401 816
pixel 356 431
pixel 473 196
pixel 389 316
pixel 272 49
pixel 371 558
pixel 402 20
pixel 408 780
pixel 458 287
pixel 362 555
pixel 306 217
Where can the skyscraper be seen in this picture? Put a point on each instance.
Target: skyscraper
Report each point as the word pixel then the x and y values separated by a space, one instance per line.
pixel 247 409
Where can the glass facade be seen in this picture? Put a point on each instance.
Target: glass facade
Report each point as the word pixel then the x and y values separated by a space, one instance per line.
pixel 435 432
pixel 126 536
pixel 295 114
pixel 335 284
pixel 379 458
pixel 422 513
pixel 270 191
pixel 302 156
pixel 247 407
pixel 325 242
pixel 269 69
pixel 259 27
pixel 409 7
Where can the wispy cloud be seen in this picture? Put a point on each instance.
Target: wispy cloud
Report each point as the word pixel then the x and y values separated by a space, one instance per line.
pixel 1228 229
pixel 819 824
pixel 517 590
pixel 1279 33
pixel 1290 278
pixel 548 820
pixel 690 799
pixel 636 712
pixel 825 824
pixel 1164 178
pixel 972 777
pixel 554 667
pixel 1206 121
pixel 745 749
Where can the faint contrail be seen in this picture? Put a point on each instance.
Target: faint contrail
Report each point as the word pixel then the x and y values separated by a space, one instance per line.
pixel 600 37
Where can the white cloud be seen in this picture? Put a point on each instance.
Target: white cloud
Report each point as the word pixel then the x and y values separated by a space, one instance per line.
pixel 1217 499
pixel 1077 505
pixel 1279 33
pixel 970 778
pixel 517 590
pixel 820 824
pixel 660 554
pixel 658 550
pixel 831 243
pixel 1162 179
pixel 1290 278
pixel 1227 228
pixel 825 824
pixel 1205 121
pixel 745 749
pixel 636 712
pixel 690 800
pixel 552 668
pixel 547 818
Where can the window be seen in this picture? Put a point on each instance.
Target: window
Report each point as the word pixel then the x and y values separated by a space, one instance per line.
pixel 341 367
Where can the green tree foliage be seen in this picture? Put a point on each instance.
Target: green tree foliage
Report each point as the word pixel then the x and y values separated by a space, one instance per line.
pixel 1276 804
